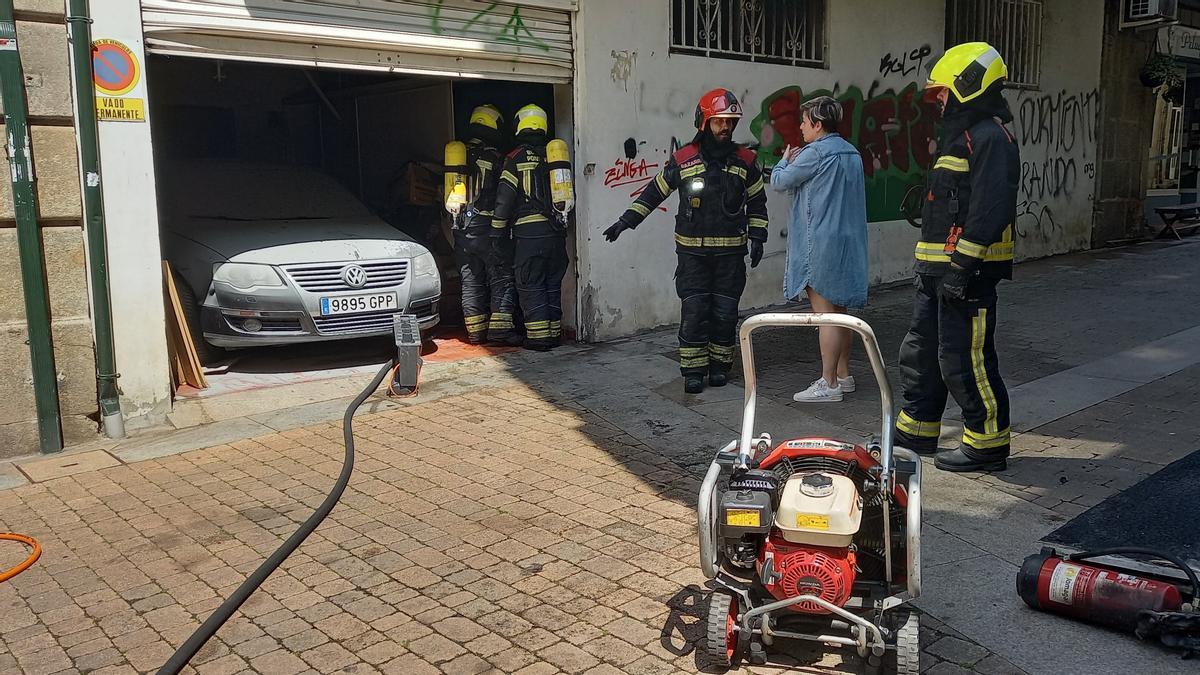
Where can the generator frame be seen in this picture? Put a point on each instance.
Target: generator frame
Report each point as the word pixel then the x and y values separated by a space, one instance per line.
pixel 870 638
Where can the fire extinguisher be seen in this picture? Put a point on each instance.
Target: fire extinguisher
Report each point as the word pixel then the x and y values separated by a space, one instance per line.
pixel 1064 584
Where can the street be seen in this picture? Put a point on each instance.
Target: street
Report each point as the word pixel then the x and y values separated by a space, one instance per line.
pixel 535 513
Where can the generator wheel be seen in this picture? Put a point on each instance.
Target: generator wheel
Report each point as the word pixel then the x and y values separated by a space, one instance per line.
pixel 724 640
pixel 907 625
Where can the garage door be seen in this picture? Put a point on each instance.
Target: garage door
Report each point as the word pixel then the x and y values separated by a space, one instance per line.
pixel 517 40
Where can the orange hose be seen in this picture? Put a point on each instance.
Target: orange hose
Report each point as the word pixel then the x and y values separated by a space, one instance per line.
pixel 28 541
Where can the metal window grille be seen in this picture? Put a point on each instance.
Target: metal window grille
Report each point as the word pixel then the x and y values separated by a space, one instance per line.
pixel 790 32
pixel 1014 27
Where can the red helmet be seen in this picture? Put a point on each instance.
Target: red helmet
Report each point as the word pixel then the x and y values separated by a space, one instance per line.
pixel 717 103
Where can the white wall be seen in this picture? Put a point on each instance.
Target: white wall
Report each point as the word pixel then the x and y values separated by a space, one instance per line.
pixel 134 256
pixel 629 86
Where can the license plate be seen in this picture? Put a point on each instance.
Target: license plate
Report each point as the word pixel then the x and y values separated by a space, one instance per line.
pixel 355 304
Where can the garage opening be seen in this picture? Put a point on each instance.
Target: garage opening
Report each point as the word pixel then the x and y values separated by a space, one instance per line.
pixel 314 197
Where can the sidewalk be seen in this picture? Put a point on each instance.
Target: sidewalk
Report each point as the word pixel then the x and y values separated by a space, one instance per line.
pixel 535 513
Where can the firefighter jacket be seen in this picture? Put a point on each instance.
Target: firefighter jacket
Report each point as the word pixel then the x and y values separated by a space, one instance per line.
pixel 523 197
pixel 721 204
pixel 971 204
pixel 484 164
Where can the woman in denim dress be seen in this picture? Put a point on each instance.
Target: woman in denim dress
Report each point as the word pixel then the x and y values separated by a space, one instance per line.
pixel 827 236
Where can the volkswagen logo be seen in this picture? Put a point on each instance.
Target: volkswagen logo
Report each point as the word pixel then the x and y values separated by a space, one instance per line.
pixel 354 276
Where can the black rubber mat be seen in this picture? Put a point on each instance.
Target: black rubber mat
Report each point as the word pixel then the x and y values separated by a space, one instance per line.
pixel 1162 512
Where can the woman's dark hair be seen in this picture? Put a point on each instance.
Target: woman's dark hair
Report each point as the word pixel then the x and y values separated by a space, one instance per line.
pixel 823 110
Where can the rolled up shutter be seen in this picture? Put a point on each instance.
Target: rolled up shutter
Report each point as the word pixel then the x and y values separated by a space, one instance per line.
pixel 518 40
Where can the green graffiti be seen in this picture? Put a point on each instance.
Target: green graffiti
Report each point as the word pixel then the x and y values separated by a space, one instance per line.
pixel 488 20
pixel 893 131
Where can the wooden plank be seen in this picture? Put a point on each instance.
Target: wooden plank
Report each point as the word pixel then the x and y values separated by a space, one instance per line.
pixel 186 362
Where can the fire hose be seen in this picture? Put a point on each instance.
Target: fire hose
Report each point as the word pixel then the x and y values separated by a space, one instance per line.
pixel 226 610
pixel 35 553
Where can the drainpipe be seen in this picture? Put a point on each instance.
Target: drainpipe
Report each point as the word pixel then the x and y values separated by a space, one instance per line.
pixel 79 34
pixel 29 236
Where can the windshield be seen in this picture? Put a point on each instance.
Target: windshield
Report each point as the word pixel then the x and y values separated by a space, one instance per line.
pixel 253 192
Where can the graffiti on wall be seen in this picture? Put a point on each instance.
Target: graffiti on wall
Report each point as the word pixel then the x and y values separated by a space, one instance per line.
pixel 905 63
pixel 632 175
pixel 502 22
pixel 895 131
pixel 1057 134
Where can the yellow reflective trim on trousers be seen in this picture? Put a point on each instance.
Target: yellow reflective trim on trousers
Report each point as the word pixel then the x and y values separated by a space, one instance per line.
pixel 710 242
pixel 475 320
pixel 535 218
pixel 697 362
pixel 640 209
pixel 986 441
pixel 724 349
pixel 737 171
pixel 537 324
pixel 692 171
pixel 556 329
pixel 978 335
pixel 692 351
pixel 758 222
pixel 914 427
pixel 952 164
pixel 661 183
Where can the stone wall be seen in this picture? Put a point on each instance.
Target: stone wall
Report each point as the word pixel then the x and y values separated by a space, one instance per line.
pixel 42 38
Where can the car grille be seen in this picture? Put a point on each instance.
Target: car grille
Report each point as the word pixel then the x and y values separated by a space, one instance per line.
pixel 327 277
pixel 350 325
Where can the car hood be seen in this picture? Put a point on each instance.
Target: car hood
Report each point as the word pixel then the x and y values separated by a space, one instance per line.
pixel 285 242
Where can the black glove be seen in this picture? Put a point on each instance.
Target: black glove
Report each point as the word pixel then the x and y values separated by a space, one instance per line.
pixel 954 282
pixel 756 252
pixel 615 230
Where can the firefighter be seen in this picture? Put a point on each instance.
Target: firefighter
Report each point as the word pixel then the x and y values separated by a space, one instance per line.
pixel 722 203
pixel 488 294
pixel 966 248
pixel 525 212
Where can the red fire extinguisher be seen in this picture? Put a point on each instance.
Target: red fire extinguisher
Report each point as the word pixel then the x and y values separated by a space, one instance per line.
pixel 1064 584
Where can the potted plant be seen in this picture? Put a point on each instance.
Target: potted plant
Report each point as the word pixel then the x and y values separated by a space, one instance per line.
pixel 1161 72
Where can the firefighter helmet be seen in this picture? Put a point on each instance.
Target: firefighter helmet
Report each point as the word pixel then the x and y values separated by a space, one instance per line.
pixel 717 103
pixel 968 70
pixel 532 118
pixel 487 115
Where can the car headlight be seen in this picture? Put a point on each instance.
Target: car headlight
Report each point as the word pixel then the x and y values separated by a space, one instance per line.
pixel 425 265
pixel 246 276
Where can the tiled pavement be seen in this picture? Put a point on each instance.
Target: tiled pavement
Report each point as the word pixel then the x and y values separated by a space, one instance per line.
pixel 541 521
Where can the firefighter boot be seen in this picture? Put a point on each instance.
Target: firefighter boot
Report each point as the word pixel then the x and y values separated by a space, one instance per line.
pixel 921 445
pixel 717 378
pixel 964 460
pixel 693 384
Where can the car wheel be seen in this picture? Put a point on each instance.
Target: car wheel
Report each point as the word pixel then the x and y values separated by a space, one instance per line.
pixel 191 313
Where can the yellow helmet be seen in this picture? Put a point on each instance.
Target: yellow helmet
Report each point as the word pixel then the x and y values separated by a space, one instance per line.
pixel 968 70
pixel 488 116
pixel 532 118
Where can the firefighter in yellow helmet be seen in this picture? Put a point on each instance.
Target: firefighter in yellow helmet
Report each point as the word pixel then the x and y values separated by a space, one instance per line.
pixel 489 296
pixel 966 248
pixel 525 213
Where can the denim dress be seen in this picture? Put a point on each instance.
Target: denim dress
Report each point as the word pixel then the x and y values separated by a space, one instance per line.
pixel 827 231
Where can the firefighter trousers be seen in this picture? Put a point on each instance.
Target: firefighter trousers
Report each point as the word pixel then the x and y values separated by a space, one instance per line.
pixel 541 265
pixel 709 288
pixel 951 348
pixel 489 295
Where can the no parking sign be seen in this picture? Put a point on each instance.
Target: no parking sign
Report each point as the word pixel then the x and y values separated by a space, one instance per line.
pixel 115 71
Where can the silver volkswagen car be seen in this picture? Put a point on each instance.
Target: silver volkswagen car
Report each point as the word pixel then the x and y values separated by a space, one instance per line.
pixel 268 255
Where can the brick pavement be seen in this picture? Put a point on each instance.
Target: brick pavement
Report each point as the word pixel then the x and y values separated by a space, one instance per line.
pixel 490 532
pixel 525 527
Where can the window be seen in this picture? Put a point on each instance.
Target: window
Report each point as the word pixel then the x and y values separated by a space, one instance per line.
pixel 1012 26
pixel 791 32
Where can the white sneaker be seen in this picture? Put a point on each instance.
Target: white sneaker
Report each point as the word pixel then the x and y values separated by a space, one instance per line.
pixel 846 384
pixel 819 392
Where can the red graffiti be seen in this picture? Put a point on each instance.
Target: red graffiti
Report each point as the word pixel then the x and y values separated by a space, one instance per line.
pixel 628 172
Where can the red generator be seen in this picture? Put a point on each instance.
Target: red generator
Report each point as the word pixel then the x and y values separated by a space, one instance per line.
pixel 813 538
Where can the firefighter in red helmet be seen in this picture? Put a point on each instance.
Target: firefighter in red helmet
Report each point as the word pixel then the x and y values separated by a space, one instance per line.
pixel 722 206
